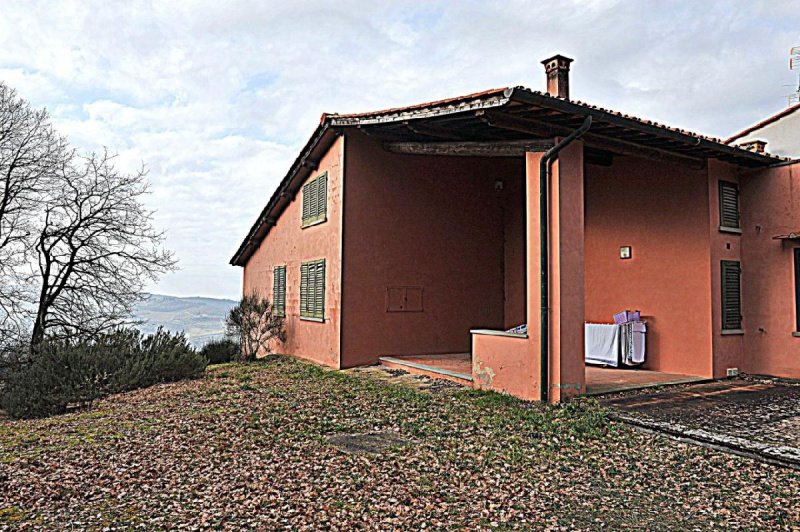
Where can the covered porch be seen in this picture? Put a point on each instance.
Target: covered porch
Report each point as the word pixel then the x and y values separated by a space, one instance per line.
pixel 624 184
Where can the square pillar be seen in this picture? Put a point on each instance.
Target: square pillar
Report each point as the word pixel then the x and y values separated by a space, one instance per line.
pixel 566 301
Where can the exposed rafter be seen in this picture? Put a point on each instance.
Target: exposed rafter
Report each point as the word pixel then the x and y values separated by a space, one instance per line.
pixel 503 148
pixel 431 131
pixel 621 147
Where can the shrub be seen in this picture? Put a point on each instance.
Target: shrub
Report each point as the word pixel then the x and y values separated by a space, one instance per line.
pixel 221 350
pixel 65 373
pixel 60 374
pixel 256 323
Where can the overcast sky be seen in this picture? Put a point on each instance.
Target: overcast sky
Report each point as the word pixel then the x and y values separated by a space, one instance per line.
pixel 217 97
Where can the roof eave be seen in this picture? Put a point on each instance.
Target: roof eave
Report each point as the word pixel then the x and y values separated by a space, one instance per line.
pixel 523 95
pixel 304 161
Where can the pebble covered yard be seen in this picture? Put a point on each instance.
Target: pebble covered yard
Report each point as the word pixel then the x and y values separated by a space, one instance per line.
pixel 284 444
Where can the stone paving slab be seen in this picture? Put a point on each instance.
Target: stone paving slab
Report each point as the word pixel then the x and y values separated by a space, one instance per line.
pixel 752 416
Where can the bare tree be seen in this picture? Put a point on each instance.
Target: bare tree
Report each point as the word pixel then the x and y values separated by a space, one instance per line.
pixel 254 321
pixel 96 249
pixel 30 150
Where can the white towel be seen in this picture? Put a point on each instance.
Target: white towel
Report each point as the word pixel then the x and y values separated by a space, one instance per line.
pixel 638 330
pixel 602 344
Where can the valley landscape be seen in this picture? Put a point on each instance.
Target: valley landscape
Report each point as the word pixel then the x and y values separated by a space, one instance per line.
pixel 201 318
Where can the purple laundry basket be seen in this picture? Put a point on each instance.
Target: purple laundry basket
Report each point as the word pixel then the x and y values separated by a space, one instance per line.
pixel 626 315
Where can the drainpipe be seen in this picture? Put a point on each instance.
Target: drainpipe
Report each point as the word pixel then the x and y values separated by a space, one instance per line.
pixel 544 245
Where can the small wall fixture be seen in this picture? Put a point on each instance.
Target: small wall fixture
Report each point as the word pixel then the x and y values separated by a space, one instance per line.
pixel 625 252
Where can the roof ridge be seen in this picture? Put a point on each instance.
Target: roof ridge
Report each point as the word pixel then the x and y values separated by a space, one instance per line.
pixel 764 122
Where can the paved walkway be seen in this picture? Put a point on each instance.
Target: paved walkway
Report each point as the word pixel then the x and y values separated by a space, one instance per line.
pixel 755 417
pixel 601 380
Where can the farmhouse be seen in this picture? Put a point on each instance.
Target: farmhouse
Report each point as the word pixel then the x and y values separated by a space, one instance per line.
pixel 474 239
pixel 779 132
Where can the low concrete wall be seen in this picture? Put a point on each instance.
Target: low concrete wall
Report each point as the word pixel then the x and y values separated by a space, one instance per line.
pixel 504 362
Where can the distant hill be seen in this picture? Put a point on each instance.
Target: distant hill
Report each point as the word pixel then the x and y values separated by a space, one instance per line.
pixel 201 318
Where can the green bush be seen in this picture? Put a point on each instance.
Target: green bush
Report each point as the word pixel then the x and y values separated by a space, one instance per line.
pixel 221 351
pixel 71 373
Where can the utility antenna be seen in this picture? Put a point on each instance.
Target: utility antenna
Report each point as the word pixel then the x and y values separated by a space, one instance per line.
pixel 794 64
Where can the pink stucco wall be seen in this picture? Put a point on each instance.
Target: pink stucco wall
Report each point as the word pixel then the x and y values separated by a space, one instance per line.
pixel 728 349
pixel 421 221
pixel 567 271
pixel 770 207
pixel 662 211
pixel 289 244
pixel 514 257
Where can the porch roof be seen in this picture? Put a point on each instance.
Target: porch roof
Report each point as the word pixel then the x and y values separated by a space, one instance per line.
pixel 498 115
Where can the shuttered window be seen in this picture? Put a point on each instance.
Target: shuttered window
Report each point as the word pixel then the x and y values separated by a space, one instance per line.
pixel 312 289
pixel 731 295
pixel 315 200
pixel 279 290
pixel 728 205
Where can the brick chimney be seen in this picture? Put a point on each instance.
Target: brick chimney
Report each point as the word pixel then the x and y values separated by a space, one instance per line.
pixel 758 146
pixel 557 70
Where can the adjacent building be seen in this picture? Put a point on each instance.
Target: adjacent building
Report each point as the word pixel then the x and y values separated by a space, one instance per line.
pixel 779 134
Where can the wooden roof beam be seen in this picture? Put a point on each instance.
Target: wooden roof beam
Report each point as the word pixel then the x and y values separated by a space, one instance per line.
pixel 505 148
pixel 431 131
pixel 621 147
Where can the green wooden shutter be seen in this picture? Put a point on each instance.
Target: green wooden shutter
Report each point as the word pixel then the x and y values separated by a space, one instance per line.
pixel 304 289
pixel 728 204
pixel 306 202
pixel 322 196
pixel 315 200
pixel 279 290
pixel 312 290
pixel 731 295
pixel 283 290
pixel 276 289
pixel 319 288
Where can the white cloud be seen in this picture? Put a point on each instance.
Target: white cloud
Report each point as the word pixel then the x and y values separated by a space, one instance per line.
pixel 217 97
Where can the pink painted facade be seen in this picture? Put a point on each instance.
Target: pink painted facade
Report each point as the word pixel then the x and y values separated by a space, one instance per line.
pixel 772 200
pixel 436 224
pixel 662 212
pixel 289 244
pixel 431 254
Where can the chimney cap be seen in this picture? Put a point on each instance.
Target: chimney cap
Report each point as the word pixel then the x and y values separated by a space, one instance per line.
pixel 560 60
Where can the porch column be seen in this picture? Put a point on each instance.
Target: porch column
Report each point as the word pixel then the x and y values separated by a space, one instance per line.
pixel 566 231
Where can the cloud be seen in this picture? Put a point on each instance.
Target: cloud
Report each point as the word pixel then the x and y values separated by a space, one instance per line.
pixel 217 97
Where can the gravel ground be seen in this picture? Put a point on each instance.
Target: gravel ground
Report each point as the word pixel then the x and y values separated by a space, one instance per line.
pixel 276 445
pixel 761 410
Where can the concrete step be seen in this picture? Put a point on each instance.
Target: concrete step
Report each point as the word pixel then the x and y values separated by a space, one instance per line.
pixel 453 368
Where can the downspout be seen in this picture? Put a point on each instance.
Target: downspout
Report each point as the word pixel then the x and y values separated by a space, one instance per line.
pixel 544 245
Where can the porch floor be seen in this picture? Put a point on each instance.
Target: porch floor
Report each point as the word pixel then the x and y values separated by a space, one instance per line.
pixel 456 367
pixel 600 380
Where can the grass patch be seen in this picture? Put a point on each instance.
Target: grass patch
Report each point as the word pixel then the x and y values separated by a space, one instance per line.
pixel 253 446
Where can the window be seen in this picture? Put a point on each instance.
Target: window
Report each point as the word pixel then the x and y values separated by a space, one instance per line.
pixel 731 295
pixel 797 289
pixel 279 290
pixel 312 289
pixel 315 200
pixel 729 206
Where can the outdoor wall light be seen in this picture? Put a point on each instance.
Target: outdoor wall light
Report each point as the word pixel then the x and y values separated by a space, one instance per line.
pixel 625 252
